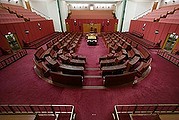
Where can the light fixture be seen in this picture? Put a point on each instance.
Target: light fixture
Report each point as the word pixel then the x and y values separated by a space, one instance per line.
pixel 75 22
pixel 91 7
pixel 156 31
pixel 166 1
pixel 143 28
pixel 107 22
pixel 16 1
pixel 38 24
pixel 26 32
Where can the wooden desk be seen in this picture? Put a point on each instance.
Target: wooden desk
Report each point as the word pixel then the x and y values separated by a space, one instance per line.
pixel 115 69
pixel 70 69
pixel 120 59
pixel 132 63
pixel 64 59
pixel 77 62
pixel 52 63
pixel 76 56
pixel 107 62
pixel 92 39
pixel 108 56
pixel 134 60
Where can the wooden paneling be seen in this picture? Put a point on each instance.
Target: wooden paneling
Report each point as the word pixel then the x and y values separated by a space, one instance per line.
pixel 94 27
pixel 19 29
pixel 101 24
pixel 149 32
pixel 86 28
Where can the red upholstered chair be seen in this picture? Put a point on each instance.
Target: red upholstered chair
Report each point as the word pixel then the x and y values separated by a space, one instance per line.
pixel 39 54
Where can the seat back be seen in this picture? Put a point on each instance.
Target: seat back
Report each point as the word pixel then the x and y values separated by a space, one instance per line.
pixel 113 80
pixel 66 79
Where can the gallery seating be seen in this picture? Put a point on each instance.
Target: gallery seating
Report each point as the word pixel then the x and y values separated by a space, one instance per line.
pixel 6 17
pixel 7 58
pixel 39 42
pixel 26 14
pixel 172 57
pixel 171 18
pixel 141 41
pixel 156 15
pixel 138 34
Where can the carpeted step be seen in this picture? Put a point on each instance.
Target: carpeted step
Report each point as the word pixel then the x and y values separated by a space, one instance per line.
pixel 91 81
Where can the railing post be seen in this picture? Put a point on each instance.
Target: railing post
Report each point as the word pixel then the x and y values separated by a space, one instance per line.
pixel 135 109
pixel 53 110
pixel 154 109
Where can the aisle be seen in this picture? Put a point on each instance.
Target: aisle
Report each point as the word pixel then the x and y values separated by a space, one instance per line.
pixel 93 53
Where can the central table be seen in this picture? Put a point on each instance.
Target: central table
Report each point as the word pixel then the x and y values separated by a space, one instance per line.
pixel 92 39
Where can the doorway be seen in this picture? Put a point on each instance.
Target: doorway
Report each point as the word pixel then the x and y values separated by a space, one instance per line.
pixel 13 41
pixel 170 42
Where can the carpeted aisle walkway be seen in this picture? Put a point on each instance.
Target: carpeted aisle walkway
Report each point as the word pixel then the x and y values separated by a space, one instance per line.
pixel 92 53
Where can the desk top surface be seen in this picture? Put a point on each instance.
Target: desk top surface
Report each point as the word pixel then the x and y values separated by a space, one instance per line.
pixel 71 67
pixel 114 67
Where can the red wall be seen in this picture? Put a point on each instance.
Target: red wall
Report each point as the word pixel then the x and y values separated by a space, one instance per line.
pixel 78 26
pixel 149 31
pixel 19 28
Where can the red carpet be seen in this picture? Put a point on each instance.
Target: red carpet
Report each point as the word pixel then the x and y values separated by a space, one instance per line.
pixel 20 85
pixel 92 53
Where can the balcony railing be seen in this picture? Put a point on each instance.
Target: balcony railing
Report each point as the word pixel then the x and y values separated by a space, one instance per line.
pixel 55 110
pixel 146 109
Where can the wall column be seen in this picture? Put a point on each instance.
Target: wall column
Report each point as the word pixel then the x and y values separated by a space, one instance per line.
pixel 59 11
pixel 123 13
pixel 27 3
